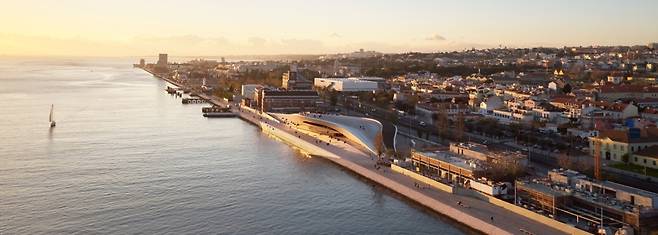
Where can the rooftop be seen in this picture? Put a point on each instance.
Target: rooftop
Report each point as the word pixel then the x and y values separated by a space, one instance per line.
pixel 647 135
pixel 627 88
pixel 448 157
pixel 651 152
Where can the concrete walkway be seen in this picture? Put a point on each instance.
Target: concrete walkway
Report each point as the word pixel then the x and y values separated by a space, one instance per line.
pixel 476 211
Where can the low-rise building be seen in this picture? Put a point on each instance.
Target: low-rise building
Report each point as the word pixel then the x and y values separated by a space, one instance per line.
pixel 248 90
pixel 614 144
pixel 482 153
pixel 293 80
pixel 444 165
pixel 346 84
pixel 617 92
pixel 569 195
pixel 646 157
pixel 279 101
pixel 428 112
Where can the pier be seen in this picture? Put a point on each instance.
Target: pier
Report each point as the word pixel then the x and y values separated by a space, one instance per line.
pixel 207 98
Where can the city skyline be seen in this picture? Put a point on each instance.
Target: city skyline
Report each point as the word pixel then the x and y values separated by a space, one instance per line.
pixel 129 28
pixel 329 117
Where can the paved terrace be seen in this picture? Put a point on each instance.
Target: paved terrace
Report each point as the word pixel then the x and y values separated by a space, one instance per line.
pixel 475 210
pixel 362 131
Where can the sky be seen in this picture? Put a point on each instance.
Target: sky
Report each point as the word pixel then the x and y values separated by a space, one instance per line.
pixel 262 27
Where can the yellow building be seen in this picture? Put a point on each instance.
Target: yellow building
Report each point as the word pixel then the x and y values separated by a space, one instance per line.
pixel 617 143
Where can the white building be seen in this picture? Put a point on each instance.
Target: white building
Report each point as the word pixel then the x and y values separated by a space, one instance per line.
pixel 492 103
pixel 346 84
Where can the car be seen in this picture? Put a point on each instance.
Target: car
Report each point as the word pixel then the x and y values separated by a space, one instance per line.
pixel 421 123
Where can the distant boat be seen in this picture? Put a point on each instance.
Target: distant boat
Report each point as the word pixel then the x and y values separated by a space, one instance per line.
pixel 51 118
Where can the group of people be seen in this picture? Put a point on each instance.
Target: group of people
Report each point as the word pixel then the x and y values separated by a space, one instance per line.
pixel 417 185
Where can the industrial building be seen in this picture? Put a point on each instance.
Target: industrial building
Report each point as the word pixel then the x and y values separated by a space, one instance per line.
pixel 448 167
pixel 444 165
pixel 482 153
pixel 574 198
pixel 346 84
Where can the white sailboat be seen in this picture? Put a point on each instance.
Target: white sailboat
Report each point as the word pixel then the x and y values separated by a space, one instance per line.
pixel 51 118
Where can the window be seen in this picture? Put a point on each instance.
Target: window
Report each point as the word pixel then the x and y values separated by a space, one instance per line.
pixel 635 159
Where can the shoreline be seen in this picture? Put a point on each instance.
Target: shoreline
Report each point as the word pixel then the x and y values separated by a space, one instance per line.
pixel 396 182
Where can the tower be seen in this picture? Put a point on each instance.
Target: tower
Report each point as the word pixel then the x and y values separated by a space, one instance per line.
pixel 162 60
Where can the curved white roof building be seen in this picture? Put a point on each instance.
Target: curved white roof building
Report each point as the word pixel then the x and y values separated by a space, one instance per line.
pixel 364 132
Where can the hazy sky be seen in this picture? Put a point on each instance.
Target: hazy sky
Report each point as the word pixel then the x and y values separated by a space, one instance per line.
pixel 200 27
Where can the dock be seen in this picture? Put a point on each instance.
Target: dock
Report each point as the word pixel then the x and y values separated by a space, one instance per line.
pixel 193 101
pixel 207 98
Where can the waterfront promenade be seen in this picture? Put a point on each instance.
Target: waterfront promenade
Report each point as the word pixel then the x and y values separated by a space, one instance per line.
pixel 475 213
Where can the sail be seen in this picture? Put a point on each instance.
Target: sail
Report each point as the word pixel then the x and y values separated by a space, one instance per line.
pixel 50 118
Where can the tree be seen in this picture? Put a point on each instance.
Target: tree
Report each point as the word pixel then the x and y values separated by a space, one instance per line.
pixel 379 144
pixel 625 158
pixel 564 161
pixel 441 121
pixel 333 97
pixel 460 126
pixel 502 171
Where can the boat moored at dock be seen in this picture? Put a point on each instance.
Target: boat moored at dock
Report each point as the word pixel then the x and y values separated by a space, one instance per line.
pixel 193 101
pixel 217 111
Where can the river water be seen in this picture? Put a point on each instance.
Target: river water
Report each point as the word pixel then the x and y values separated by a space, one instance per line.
pixel 127 158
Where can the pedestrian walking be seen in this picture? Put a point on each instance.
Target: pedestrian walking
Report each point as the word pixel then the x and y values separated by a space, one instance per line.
pixel 491 219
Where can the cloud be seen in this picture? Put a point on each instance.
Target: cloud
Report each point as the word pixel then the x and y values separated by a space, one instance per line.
pixel 436 37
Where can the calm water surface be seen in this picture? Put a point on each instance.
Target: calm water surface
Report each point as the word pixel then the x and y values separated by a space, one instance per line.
pixel 127 158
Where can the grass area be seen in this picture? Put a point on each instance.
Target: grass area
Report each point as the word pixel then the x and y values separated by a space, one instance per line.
pixel 636 169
